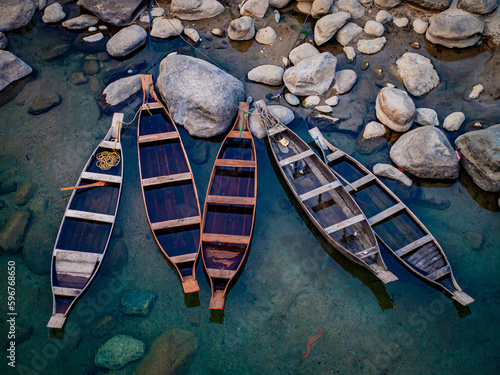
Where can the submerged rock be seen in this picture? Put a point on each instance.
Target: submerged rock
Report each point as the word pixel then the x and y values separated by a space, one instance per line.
pixel 241 29
pixel 104 326
pixel 13 231
pixel 170 353
pixel 118 13
pixel 388 171
pixel 53 13
pixel 480 155
pixel 417 73
pixel 426 153
pixel 268 74
pixel 200 96
pixel 78 78
pixel 138 302
pixel 327 26
pixel 4 42
pixel 196 9
pixel 44 103
pixel 258 128
pixel 395 109
pixel 119 351
pixel 126 41
pixel 15 14
pixel 12 69
pixel 56 52
pixel 81 22
pixel 374 129
pixel 344 81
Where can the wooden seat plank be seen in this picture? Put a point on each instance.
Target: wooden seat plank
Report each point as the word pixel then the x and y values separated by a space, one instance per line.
pixel 67 292
pixel 76 263
pixel 334 156
pixel 111 144
pixel 158 137
pixel 414 245
pixel 102 177
pixel 359 183
pixel 320 190
pixel 222 199
pixel 225 238
pixel 77 256
pixel 220 273
pixel 378 218
pixel 152 105
pixel 165 179
pixel 344 224
pixel 176 223
pixel 237 134
pixel 296 157
pixel 235 163
pixel 366 253
pixel 439 273
pixel 92 216
pixel 184 258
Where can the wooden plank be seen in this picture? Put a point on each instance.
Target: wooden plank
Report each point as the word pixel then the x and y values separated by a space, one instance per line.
pixel 235 163
pixel 56 321
pixel 378 218
pixel 236 134
pixel 158 137
pixel 153 105
pixel 220 273
pixel 92 216
pixel 462 298
pixel 320 190
pixel 297 157
pixel 184 258
pixel 102 177
pixel 225 238
pixel 275 130
pixel 422 262
pixel 412 246
pixel 110 144
pixel 165 179
pixel 345 224
pixel 77 256
pixel 335 155
pixel 222 199
pixel 175 223
pixel 366 253
pixel 68 292
pixel 439 273
pixel 361 182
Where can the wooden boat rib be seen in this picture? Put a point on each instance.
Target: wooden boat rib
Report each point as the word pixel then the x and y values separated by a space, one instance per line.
pixel 229 213
pixel 394 224
pixel 168 187
pixel 87 226
pixel 323 198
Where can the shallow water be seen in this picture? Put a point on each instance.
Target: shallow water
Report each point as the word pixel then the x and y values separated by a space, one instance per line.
pixel 293 283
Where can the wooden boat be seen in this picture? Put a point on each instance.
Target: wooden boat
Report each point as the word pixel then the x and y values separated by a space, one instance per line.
pixel 168 187
pixel 229 213
pixel 323 198
pixel 395 225
pixel 87 225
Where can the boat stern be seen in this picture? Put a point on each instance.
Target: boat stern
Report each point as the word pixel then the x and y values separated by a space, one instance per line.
pixel 217 300
pixel 190 285
pixel 387 277
pixel 462 298
pixel 56 321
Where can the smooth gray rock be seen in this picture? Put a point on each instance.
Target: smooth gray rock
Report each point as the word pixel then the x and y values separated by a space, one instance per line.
pixel 374 129
pixel 332 101
pixel 388 171
pixel 426 117
pixel 395 109
pixel 200 96
pixel 350 53
pixel 166 28
pixel 344 81
pixel 254 8
pixel 44 103
pixel 115 12
pixel 292 99
pixel 327 26
pixel 312 76
pixel 126 41
pixel 417 73
pixel 192 10
pixel 401 21
pixel 480 155
pixel 15 13
pixel 81 22
pixel 324 109
pixel 119 351
pixel 434 5
pixel 420 26
pixel 4 42
pixel 353 7
pixel 453 121
pixel 12 69
pixel 192 34
pixel 267 35
pixel 279 3
pixel 258 128
pixel 478 6
pixel 387 4
pixel 138 302
pixel 311 101
pixel 321 8
pixel 383 17
pixel 24 193
pixel 374 28
pixel 242 28
pixel 13 231
pixel 302 52
pixel 371 46
pixel 122 89
pixel 455 28
pixel 426 153
pixel 53 13
pixel 268 74
pixel 348 33
pixel 475 240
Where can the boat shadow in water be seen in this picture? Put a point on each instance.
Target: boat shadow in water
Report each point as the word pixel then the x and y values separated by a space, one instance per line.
pixel 373 283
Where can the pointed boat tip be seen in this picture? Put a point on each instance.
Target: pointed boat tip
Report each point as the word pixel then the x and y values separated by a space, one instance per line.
pixel 56 321
pixel 190 285
pixel 217 301
pixel 387 277
pixel 462 298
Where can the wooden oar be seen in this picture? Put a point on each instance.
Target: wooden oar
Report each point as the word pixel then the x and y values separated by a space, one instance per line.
pixel 98 183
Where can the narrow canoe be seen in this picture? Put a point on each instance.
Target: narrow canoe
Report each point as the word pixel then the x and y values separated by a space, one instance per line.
pixel 168 187
pixel 87 225
pixel 394 224
pixel 229 213
pixel 323 198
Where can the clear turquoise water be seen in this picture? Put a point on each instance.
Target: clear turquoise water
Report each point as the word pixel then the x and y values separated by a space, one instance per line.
pixel 293 283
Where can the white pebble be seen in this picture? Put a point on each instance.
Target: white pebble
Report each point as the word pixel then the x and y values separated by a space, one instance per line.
pixel 401 22
pixel 292 99
pixel 92 29
pixel 323 108
pixel 332 101
pixel 311 101
pixel 476 91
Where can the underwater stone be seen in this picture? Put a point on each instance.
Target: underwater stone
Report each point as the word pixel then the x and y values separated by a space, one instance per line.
pixel 104 326
pixel 344 81
pixel 388 171
pixel 4 42
pixel 44 103
pixel 201 153
pixel 13 232
pixel 78 78
pixel 91 67
pixel 119 351
pixel 81 22
pixel 56 52
pixel 475 240
pixel 137 302
pixel 25 193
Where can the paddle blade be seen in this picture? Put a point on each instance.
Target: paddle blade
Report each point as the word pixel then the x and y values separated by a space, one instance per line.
pixel 98 183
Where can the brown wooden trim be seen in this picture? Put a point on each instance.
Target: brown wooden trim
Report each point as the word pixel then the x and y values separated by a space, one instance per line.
pixel 219 273
pixel 184 258
pixel 412 246
pixel 230 200
pixel 175 223
pixel 158 137
pixel 296 157
pixel 344 224
pixel 235 163
pixel 236 134
pixel 164 179
pixel 225 238
pixel 378 218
